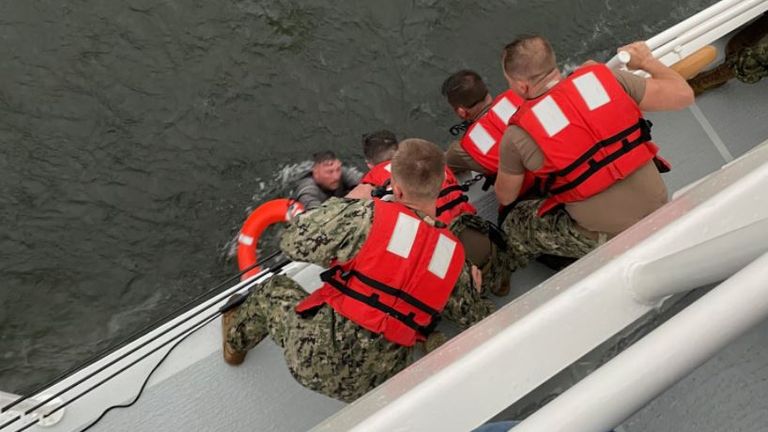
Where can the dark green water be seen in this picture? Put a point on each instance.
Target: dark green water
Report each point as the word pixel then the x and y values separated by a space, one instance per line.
pixel 134 134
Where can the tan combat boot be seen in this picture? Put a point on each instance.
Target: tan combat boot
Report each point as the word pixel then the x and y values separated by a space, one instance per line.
pixel 231 356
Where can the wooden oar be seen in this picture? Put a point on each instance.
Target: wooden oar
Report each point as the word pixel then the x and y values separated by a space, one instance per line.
pixel 696 62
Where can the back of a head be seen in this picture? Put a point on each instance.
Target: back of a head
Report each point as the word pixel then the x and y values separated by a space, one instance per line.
pixel 379 146
pixel 528 57
pixel 419 168
pixel 464 88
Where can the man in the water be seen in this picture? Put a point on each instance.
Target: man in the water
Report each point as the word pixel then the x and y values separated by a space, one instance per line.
pixel 393 271
pixel 328 178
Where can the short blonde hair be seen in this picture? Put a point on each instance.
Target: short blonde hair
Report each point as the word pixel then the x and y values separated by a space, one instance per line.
pixel 419 168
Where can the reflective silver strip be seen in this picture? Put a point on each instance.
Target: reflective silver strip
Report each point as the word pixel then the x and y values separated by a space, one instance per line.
pixel 481 138
pixel 403 236
pixel 244 239
pixel 442 256
pixel 504 109
pixel 591 90
pixel 550 116
pixel 388 167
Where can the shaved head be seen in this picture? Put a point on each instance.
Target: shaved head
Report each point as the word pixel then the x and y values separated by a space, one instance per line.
pixel 528 57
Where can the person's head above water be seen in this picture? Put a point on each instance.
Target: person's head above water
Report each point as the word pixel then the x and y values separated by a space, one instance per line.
pixel 529 65
pixel 466 93
pixel 379 146
pixel 326 170
pixel 418 171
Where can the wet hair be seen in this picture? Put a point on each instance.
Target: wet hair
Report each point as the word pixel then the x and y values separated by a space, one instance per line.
pixel 528 57
pixel 323 157
pixel 464 88
pixel 419 168
pixel 379 146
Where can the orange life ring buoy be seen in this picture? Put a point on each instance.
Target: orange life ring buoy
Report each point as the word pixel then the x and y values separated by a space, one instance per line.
pixel 271 212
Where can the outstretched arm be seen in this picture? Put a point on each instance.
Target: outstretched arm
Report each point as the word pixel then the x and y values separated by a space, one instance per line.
pixel 361 191
pixel 665 90
pixel 335 230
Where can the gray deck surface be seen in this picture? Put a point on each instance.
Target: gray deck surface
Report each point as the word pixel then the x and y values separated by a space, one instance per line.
pixel 729 393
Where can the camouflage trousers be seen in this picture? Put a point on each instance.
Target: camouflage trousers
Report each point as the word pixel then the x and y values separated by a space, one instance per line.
pixel 751 63
pixel 324 352
pixel 529 235
pixel 492 259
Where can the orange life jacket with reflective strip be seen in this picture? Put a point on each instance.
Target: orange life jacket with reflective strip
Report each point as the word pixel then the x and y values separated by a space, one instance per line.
pixel 591 133
pixel 481 140
pixel 399 282
pixel 451 203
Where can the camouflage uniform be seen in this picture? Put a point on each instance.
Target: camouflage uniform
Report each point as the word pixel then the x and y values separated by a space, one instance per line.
pixel 529 235
pixel 746 58
pixel 750 65
pixel 326 352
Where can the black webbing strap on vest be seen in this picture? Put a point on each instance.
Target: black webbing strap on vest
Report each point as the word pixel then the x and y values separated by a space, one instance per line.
pixel 643 125
pixel 451 204
pixel 454 202
pixel 382 191
pixel 452 188
pixel 490 180
pixel 373 301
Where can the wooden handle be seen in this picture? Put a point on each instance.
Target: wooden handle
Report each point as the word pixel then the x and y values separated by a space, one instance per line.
pixel 696 62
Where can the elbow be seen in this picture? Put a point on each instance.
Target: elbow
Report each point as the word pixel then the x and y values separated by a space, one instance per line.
pixel 683 97
pixel 687 96
pixel 503 197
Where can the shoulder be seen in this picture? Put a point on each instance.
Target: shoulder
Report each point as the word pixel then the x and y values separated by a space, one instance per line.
pixel 334 210
pixel 306 183
pixel 351 175
pixel 632 84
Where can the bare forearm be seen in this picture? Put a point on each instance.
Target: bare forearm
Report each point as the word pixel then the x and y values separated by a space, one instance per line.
pixel 666 89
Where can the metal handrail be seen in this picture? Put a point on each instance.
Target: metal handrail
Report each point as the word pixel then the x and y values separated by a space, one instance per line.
pixel 672 39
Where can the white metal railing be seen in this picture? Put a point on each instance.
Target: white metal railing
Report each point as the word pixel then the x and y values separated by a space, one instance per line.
pixel 625 384
pixel 705 263
pixel 715 21
pixel 500 360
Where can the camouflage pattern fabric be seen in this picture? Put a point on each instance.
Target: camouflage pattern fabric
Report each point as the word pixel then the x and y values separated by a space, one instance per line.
pixel 529 235
pixel 750 65
pixel 326 352
pixel 497 267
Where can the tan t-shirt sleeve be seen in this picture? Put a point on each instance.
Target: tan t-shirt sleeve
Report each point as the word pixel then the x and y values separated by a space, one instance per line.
pixel 459 161
pixel 518 152
pixel 633 84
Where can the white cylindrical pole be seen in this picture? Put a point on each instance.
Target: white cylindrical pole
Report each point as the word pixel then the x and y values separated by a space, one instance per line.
pixel 721 9
pixel 622 386
pixel 702 264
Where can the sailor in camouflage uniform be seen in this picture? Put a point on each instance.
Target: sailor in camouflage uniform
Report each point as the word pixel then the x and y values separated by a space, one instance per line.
pixel 483 242
pixel 325 351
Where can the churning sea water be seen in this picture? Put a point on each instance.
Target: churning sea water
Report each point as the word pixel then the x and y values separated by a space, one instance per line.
pixel 136 134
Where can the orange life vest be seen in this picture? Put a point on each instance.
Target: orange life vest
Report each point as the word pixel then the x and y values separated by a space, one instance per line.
pixel 399 282
pixel 591 133
pixel 451 202
pixel 481 140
